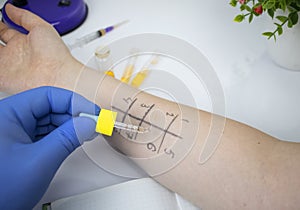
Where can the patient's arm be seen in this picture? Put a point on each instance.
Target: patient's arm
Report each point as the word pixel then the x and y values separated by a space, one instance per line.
pixel 39 58
pixel 248 170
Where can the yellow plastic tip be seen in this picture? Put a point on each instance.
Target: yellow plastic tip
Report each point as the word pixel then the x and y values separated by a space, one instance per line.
pixel 110 73
pixel 106 121
pixel 139 78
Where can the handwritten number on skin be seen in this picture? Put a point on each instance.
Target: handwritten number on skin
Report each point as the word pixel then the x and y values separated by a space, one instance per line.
pixel 170 114
pixel 145 105
pixel 170 152
pixel 127 100
pixel 151 146
pixel 185 120
pixel 129 135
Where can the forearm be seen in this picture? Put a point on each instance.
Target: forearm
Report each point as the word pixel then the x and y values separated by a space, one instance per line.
pixel 249 169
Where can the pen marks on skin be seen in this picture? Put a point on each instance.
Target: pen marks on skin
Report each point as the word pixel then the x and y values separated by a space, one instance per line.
pixel 148 107
pixel 165 132
pixel 170 152
pixel 151 147
pixel 128 109
pixel 185 120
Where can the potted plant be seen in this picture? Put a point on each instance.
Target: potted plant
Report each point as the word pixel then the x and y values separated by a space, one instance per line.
pixel 254 8
pixel 284 14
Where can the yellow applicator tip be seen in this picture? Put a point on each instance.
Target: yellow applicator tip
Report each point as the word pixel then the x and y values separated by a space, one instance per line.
pixel 110 73
pixel 106 121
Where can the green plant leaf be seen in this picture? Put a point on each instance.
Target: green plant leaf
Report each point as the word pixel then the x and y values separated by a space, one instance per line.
pixel 283 5
pixel 249 9
pixel 279 28
pixel 233 3
pixel 293 17
pixel 250 18
pixel 291 8
pixel 268 34
pixel 271 13
pixel 239 18
pixel 290 23
pixel 269 4
pixel 243 7
pixel 282 18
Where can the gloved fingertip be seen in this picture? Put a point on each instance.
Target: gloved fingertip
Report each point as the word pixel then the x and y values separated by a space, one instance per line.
pixel 84 128
pixel 97 109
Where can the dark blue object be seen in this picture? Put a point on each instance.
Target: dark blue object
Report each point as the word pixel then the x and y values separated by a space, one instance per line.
pixel 38 132
pixel 64 15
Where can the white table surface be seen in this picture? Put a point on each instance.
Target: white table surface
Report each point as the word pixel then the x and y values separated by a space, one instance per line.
pixel 257 92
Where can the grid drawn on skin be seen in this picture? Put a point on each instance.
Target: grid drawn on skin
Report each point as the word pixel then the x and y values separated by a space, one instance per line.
pixel 143 118
pixel 165 132
pixel 146 122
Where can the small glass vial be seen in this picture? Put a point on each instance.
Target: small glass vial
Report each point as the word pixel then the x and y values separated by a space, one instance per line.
pixel 104 60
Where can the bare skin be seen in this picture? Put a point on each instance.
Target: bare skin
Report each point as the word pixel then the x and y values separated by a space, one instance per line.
pixel 248 170
pixel 30 58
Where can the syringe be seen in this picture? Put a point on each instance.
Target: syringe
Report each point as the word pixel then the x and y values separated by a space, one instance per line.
pixel 94 35
pixel 106 121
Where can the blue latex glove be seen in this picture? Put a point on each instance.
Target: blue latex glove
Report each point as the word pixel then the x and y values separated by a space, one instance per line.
pixel 37 133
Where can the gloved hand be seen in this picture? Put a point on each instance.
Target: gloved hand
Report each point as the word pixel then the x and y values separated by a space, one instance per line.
pixel 37 133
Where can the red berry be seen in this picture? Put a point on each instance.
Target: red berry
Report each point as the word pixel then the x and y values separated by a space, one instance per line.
pixel 258 10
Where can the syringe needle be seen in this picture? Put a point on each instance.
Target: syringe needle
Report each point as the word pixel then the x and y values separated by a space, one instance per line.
pixel 106 122
pixel 129 127
pixel 119 24
pixel 94 35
